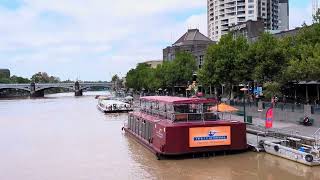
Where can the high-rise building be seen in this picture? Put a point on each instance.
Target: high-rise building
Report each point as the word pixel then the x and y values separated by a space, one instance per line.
pixel 283 23
pixel 4 73
pixel 223 14
pixel 315 6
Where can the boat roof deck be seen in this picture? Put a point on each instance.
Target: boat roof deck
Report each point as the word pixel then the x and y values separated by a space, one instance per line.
pixel 177 100
pixel 111 101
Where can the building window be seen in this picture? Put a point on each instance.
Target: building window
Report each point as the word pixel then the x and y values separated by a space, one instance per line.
pixel 200 61
pixel 251 11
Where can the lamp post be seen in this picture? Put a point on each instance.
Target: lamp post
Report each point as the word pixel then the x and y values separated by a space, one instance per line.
pixel 244 102
pixel 143 94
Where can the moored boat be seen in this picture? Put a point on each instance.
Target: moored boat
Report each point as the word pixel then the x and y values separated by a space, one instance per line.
pixel 174 126
pixel 109 105
pixel 292 149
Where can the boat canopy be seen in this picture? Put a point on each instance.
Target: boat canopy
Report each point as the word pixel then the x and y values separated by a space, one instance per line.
pixel 177 100
pixel 179 109
pixel 111 102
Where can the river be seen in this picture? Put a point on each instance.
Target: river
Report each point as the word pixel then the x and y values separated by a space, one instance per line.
pixel 62 137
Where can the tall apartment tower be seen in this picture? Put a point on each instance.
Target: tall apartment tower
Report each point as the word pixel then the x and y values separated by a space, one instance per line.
pixel 315 6
pixel 283 23
pixel 225 13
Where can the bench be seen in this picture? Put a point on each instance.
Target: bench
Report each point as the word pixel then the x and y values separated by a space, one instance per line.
pixel 311 121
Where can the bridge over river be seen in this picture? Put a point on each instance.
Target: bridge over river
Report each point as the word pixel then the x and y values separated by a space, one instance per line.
pixel 37 89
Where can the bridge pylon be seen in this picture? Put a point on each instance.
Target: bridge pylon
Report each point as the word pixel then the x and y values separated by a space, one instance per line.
pixel 34 93
pixel 77 90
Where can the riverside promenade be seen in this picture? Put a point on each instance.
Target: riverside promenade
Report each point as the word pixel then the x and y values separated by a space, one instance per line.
pixel 290 127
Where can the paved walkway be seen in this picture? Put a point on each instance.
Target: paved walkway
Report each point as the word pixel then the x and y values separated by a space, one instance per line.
pixel 284 126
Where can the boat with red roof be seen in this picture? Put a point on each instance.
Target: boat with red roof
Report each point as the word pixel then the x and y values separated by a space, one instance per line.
pixel 176 125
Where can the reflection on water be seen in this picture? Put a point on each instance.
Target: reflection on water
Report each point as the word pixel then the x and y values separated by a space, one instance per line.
pixel 64 137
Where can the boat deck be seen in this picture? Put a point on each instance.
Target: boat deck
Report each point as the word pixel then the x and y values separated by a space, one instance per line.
pixel 257 140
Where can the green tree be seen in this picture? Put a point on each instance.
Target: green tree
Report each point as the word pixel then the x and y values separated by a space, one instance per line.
pixel 5 80
pixel 226 63
pixel 268 57
pixel 43 77
pixel 170 73
pixel 181 69
pixel 19 80
pixel 40 77
pixel 139 77
pixel 305 68
pixel 115 78
pixel 316 17
pixel 272 89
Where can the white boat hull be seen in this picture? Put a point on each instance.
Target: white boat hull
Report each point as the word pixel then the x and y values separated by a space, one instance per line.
pixel 113 106
pixel 113 111
pixel 291 154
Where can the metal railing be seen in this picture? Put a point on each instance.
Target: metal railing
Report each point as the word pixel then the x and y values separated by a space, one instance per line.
pixel 283 133
pixel 316 136
pixel 186 117
pixel 182 117
pixel 290 107
pixel 316 109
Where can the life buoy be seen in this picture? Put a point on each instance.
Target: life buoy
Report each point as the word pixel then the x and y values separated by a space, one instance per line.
pixel 309 158
pixel 276 148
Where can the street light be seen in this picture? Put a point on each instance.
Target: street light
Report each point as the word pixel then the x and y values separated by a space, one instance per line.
pixel 244 102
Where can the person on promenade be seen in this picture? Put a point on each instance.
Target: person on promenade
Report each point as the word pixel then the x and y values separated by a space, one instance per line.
pixel 306 121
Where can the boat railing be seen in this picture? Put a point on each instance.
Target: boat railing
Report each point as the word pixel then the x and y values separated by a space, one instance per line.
pixel 284 134
pixel 186 117
pixel 194 117
pixel 182 117
pixel 316 136
pixel 154 112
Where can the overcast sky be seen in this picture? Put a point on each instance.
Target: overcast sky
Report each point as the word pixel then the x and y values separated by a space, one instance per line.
pixel 94 39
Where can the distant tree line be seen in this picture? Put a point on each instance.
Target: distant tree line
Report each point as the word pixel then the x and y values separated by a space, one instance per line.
pixel 40 77
pixel 269 61
pixel 167 75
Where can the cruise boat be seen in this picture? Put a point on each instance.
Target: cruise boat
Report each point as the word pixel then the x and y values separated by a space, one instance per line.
pixel 175 126
pixel 111 105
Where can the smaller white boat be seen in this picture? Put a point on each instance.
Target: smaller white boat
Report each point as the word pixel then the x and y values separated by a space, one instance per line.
pixel 109 105
pixel 291 148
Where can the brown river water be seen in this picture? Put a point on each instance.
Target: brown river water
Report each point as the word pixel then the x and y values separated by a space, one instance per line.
pixel 62 137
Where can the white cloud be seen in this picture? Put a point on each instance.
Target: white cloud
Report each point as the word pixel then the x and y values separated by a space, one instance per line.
pixel 68 37
pixel 94 39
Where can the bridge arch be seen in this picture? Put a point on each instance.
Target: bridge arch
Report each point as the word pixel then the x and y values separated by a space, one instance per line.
pixel 17 88
pixel 54 87
pixel 92 86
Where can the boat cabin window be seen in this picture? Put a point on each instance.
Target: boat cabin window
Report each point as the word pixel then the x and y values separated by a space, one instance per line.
pixel 162 107
pixel 209 112
pixel 187 112
pixel 140 127
pixel 180 112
